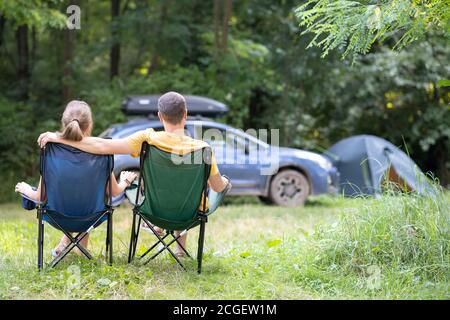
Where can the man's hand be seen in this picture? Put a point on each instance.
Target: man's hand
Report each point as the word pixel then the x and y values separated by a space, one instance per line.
pixel 218 182
pixel 47 137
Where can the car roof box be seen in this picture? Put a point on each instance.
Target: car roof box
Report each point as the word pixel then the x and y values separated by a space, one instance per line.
pixel 197 106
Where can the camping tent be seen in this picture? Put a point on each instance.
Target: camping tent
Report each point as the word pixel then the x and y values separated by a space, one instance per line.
pixel 364 161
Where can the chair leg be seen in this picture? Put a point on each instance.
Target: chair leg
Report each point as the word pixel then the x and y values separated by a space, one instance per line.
pixel 74 243
pixel 179 244
pixel 109 239
pixel 62 255
pixel 170 252
pixel 165 246
pixel 153 246
pixel 130 249
pixel 136 236
pixel 133 239
pixel 40 243
pixel 77 243
pixel 201 241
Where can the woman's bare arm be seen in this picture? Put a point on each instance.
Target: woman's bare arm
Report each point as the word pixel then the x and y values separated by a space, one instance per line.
pixel 89 144
pixel 25 189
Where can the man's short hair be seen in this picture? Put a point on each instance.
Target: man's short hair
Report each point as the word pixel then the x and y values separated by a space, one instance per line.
pixel 172 106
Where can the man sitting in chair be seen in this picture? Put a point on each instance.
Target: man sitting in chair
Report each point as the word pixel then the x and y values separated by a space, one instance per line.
pixel 172 112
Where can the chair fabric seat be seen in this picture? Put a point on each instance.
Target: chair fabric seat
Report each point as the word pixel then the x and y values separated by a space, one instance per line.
pixel 173 188
pixel 71 223
pixel 171 225
pixel 75 184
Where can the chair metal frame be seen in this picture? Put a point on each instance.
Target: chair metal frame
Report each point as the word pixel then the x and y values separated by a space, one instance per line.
pixel 74 241
pixel 138 217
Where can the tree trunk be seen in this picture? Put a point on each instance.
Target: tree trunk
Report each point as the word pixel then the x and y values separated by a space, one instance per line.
pixel 2 28
pixel 69 40
pixel 221 11
pixel 440 157
pixel 225 24
pixel 194 50
pixel 33 45
pixel 114 54
pixel 23 70
pixel 216 17
pixel 154 63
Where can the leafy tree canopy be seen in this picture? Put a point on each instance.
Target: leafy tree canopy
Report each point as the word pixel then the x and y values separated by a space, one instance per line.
pixel 356 25
pixel 249 56
pixel 38 13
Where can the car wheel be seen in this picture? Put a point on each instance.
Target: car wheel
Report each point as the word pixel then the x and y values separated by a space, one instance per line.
pixel 289 188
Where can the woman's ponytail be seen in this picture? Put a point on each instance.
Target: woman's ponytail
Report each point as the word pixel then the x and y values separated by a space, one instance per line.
pixel 76 121
pixel 72 131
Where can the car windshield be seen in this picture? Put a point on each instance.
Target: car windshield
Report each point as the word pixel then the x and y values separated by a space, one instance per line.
pixel 107 133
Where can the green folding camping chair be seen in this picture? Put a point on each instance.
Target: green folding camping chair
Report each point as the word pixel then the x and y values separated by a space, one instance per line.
pixel 168 195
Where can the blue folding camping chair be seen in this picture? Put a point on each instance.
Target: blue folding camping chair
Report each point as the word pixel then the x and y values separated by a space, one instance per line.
pixel 76 197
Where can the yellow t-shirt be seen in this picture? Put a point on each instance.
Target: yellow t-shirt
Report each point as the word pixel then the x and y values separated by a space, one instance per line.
pixel 172 143
pixel 168 142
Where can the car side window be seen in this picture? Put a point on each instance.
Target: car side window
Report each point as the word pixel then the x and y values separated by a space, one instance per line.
pixel 220 139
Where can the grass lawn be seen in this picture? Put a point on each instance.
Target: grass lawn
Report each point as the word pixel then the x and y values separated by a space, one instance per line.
pixel 252 252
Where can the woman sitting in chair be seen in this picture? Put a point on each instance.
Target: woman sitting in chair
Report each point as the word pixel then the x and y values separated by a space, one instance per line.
pixel 76 124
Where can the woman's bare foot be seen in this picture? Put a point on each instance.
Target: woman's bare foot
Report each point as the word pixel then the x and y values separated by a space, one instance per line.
pixel 180 253
pixel 158 230
pixel 63 243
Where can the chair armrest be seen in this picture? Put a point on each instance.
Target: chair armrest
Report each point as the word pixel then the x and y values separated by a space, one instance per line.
pixel 215 198
pixel 28 203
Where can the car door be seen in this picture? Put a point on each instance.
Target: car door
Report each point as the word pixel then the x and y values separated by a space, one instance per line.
pixel 234 159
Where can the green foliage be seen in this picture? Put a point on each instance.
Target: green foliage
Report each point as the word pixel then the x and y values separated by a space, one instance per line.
pixel 404 232
pixel 104 102
pixel 443 83
pixel 357 25
pixel 18 148
pixel 387 93
pixel 38 13
pixel 231 79
pixel 266 76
